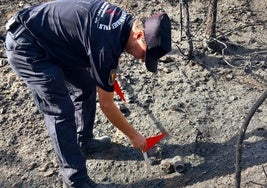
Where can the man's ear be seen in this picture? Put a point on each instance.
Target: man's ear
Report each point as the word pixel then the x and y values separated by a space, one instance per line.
pixel 139 35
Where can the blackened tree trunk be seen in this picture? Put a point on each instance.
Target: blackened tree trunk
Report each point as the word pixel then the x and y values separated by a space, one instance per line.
pixel 211 21
pixel 184 7
pixel 210 41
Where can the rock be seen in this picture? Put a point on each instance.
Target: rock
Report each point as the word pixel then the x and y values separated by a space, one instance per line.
pixel 166 70
pixel 48 173
pixel 32 165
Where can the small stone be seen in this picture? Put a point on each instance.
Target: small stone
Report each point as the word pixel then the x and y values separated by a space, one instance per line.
pixel 32 165
pixel 49 173
pixel 232 98
pixel 2 110
pixel 229 77
pixel 166 70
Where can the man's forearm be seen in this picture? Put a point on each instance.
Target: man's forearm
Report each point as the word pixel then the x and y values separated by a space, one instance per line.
pixel 117 119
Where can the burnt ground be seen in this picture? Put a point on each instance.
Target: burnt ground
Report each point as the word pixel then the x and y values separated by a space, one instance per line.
pixel 202 103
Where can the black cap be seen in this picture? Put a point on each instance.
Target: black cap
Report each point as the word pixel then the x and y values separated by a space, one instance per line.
pixel 158 39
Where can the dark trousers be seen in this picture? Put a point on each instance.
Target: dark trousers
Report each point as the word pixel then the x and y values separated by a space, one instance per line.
pixel 66 96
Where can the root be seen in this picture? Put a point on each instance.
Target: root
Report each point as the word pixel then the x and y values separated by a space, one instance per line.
pixel 242 134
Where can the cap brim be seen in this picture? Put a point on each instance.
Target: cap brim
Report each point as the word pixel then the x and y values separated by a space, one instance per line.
pixel 151 63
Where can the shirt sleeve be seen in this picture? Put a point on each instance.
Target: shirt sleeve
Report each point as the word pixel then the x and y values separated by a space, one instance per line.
pixel 104 69
pixel 105 44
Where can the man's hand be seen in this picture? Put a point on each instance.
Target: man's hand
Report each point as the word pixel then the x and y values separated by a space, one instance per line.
pixel 139 142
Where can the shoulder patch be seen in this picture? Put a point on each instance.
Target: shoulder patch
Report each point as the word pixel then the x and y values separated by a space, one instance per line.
pixel 112 76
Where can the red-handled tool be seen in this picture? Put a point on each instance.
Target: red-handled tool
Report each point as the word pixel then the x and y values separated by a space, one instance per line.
pixel 150 142
pixel 118 90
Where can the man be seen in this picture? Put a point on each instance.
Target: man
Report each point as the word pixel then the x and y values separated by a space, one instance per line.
pixel 65 51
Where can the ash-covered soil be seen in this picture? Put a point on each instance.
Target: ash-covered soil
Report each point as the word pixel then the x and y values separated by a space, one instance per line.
pixel 202 104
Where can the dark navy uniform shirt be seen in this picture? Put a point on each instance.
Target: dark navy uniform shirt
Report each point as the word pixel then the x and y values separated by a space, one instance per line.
pixel 83 33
